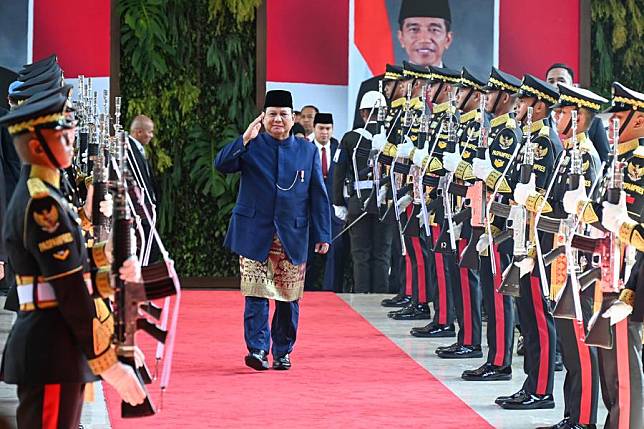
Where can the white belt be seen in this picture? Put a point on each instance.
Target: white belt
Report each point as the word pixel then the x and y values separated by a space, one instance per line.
pixel 363 184
pixel 45 293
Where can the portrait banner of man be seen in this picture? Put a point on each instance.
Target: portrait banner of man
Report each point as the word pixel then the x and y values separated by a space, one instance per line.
pixel 423 32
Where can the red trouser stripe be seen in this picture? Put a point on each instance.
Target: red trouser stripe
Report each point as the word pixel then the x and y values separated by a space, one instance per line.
pixel 50 406
pixel 499 313
pixel 408 278
pixel 420 270
pixel 440 278
pixel 542 329
pixel 468 330
pixel 623 375
pixel 585 407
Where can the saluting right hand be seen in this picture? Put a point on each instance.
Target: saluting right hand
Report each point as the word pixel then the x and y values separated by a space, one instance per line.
pixel 253 129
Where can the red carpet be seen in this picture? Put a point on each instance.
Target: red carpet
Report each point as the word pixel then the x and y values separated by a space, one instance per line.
pixel 345 374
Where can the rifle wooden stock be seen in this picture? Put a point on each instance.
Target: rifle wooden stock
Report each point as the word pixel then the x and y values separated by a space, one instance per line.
pixel 599 332
pixel 565 303
pixel 590 276
pixel 511 281
pixel 550 257
pixel 142 410
pixel 457 189
pixel 470 256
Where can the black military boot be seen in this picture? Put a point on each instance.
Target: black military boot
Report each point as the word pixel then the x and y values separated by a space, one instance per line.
pixel 434 331
pixel 415 312
pixel 488 372
pixel 397 301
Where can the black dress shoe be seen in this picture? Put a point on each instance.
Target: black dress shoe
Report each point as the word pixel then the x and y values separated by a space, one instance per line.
pixel 529 401
pixel 488 372
pixel 282 363
pixel 434 331
pixel 463 352
pixel 406 309
pixel 564 424
pixel 415 312
pixel 396 301
pixel 257 360
pixel 451 347
pixel 427 327
pixel 507 398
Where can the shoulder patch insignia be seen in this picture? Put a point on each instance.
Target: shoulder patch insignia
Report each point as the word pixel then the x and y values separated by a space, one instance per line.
pixel 498 163
pixel 37 188
pixel 511 124
pixel 442 144
pixel 47 219
pixel 634 171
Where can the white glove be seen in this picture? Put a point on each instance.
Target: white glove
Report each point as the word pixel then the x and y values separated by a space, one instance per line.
pixel 483 243
pixel 617 312
pixel 139 357
pixel 457 231
pixel 404 202
pixel 107 206
pixel 382 195
pixel 379 140
pixel 525 266
pixel 123 379
pixel 523 190
pixel 403 150
pixel 341 212
pixel 572 198
pixel 131 270
pixel 420 155
pixel 451 160
pixel 482 167
pixel 614 215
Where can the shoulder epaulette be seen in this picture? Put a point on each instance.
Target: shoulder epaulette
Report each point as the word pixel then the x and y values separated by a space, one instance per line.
pixel 511 124
pixel 37 188
pixel 544 131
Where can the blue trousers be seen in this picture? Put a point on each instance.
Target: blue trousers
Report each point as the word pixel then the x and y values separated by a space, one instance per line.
pixel 283 328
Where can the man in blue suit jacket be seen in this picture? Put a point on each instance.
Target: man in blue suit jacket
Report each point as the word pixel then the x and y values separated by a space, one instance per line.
pixel 333 261
pixel 282 199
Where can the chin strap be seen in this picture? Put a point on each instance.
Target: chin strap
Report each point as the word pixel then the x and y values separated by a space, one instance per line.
pixel 534 103
pixel 45 146
pixel 496 102
pixel 438 91
pixel 467 98
pixel 625 124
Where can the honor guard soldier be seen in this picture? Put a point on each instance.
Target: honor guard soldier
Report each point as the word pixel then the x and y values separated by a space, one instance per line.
pixel 505 137
pixel 581 386
pixel 619 346
pixel 465 288
pixel 404 138
pixel 370 239
pixel 441 134
pixel 62 337
pixel 535 318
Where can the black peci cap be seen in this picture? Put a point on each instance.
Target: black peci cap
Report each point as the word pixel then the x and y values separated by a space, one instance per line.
pixel 323 118
pixel 424 9
pixel 278 98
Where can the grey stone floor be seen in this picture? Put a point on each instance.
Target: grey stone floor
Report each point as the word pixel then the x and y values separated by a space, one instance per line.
pixel 94 414
pixel 478 395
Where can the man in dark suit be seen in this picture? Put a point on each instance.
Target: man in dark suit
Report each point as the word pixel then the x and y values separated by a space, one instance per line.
pixel 282 199
pixel 424 33
pixel 333 261
pixel 141 133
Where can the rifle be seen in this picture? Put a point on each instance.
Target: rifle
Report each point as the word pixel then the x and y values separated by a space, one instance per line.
pixel 517 221
pixel 476 198
pixel 128 296
pixel 417 173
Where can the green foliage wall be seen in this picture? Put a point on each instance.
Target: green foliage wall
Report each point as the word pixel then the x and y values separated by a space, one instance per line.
pixel 190 66
pixel 617 44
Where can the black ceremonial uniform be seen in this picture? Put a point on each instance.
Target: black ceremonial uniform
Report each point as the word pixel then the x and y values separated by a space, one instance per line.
pixel 62 334
pixel 370 239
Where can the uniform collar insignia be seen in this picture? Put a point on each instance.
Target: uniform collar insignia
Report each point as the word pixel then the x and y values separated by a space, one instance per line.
pixel 499 120
pixel 46 174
